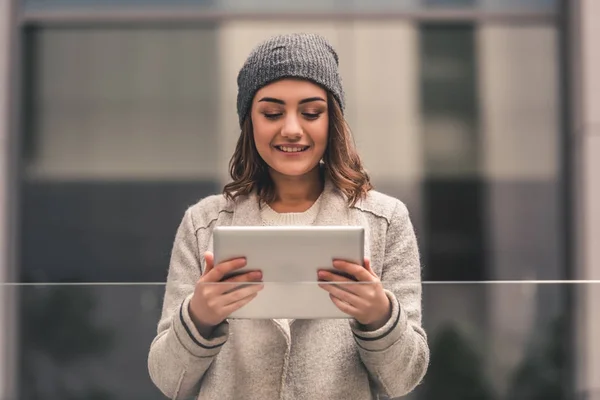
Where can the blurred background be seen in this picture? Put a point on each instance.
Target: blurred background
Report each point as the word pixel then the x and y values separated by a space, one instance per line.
pixel 483 116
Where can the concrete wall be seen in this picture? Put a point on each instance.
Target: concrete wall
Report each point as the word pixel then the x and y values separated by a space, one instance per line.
pixel 586 139
pixel 520 114
pixel 6 327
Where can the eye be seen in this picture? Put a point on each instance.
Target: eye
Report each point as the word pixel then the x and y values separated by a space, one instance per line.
pixel 312 116
pixel 272 116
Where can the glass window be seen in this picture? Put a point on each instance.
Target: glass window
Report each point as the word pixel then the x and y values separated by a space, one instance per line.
pixel 120 135
pixel 452 192
pixel 489 102
pixel 124 127
pixel 491 205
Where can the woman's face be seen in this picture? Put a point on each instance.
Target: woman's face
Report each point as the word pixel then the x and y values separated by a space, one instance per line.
pixel 290 123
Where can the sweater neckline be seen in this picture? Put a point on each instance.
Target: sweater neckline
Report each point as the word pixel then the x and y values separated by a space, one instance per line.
pixel 272 217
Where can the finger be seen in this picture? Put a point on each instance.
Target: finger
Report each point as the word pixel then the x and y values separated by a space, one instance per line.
pixel 251 276
pixel 358 271
pixel 217 273
pixel 239 281
pixel 240 294
pixel 347 284
pixel 343 295
pixel 333 277
pixel 344 307
pixel 209 259
pixel 227 310
pixel 368 267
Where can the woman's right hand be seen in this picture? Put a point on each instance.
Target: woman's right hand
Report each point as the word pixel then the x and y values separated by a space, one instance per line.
pixel 211 304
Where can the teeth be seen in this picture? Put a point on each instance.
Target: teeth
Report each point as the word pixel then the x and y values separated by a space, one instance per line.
pixel 291 149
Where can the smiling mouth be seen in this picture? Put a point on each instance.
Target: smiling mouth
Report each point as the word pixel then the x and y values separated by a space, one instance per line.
pixel 292 149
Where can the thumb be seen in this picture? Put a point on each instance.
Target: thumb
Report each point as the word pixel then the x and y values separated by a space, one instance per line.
pixel 209 259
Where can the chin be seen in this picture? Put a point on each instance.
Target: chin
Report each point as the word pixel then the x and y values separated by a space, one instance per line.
pixel 293 172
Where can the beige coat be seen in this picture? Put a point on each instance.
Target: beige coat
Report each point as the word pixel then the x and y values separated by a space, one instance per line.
pixel 309 359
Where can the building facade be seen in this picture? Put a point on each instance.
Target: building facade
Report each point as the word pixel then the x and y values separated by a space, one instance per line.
pixel 480 115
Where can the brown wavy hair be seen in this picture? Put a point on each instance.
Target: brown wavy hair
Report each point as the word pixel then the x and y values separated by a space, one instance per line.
pixel 341 163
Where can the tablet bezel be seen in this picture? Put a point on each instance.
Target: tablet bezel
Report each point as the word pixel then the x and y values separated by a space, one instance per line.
pixel 291 290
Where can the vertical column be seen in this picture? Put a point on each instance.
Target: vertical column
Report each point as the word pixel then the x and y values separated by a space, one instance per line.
pixel 6 325
pixel 518 87
pixel 586 136
pixel 383 106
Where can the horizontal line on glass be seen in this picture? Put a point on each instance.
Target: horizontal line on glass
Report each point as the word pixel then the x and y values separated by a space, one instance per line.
pixel 490 282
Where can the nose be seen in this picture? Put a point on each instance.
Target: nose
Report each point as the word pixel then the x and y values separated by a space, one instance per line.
pixel 291 128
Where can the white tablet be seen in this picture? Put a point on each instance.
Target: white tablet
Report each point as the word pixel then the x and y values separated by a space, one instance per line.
pixel 289 258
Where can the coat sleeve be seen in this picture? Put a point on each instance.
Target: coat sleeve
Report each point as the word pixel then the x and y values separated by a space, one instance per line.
pixel 179 356
pixel 397 354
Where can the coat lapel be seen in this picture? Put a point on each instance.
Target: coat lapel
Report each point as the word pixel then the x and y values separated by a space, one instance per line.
pixel 334 209
pixel 246 211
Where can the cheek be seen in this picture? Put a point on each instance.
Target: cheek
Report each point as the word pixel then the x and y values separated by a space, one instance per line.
pixel 262 136
pixel 321 134
pixel 262 146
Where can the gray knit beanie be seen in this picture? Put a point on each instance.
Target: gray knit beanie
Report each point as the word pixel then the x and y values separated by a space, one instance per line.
pixel 300 55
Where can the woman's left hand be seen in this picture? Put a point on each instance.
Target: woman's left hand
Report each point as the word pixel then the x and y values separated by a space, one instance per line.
pixel 365 301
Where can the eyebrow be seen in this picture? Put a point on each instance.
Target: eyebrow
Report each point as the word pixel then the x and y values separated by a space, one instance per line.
pixel 278 101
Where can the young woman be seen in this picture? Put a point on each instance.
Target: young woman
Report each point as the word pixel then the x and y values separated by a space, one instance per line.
pixel 295 163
